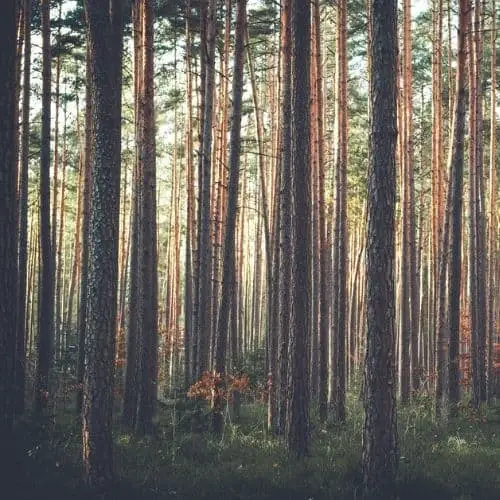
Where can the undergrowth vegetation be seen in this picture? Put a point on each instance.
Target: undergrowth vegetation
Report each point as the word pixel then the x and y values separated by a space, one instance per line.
pixel 459 460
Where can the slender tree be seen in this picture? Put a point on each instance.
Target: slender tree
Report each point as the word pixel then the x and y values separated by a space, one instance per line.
pixel 205 251
pixel 437 185
pixel 149 263
pixel 454 209
pixel 230 225
pixel 298 430
pixel 492 300
pixel 105 35
pixel 477 275
pixel 85 229
pixel 285 228
pixel 131 389
pixel 380 432
pixel 8 257
pixel 46 300
pixel 23 214
pixel 339 314
pixel 189 292
pixel 324 306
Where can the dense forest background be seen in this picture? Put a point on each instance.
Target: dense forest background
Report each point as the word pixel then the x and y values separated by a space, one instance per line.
pixel 219 214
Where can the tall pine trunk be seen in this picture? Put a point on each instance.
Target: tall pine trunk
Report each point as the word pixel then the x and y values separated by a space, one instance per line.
pixel 380 431
pixel 8 246
pixel 105 39
pixel 149 261
pixel 298 429
pixel 46 301
pixel 228 272
pixel 23 215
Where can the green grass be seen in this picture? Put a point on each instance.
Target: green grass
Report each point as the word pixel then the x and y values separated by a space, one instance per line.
pixel 458 460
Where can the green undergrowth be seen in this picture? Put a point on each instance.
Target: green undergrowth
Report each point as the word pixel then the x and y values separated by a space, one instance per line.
pixel 182 460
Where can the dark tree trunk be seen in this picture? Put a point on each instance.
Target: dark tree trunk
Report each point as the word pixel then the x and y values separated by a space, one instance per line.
pixel 23 215
pixel 46 301
pixel 105 38
pixel 477 276
pixel 298 431
pixel 76 261
pixel 85 234
pixel 131 389
pixel 492 236
pixel 149 264
pixel 8 246
pixel 285 230
pixel 228 277
pixel 456 167
pixel 324 306
pixel 339 315
pixel 380 431
pixel 189 291
pixel 205 246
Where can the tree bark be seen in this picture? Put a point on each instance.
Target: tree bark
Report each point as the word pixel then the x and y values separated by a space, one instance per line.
pixel 8 209
pixel 298 431
pixel 85 235
pixel 228 277
pixel 46 300
pixel 456 162
pixel 339 315
pixel 23 215
pixel 380 431
pixel 134 331
pixel 105 38
pixel 492 300
pixel 285 231
pixel 149 262
pixel 205 250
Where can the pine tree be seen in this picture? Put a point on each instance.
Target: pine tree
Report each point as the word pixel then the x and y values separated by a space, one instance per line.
pixel 380 431
pixel 8 189
pixel 298 430
pixel 105 35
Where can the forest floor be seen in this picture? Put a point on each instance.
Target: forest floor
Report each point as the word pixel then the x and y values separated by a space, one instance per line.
pixel 459 460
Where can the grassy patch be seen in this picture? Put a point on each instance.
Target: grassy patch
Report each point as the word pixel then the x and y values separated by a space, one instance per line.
pixel 458 460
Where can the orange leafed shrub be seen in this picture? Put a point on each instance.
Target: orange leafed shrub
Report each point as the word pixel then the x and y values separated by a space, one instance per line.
pixel 212 384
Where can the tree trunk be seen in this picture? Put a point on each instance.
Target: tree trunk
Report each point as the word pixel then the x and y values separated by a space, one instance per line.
pixel 492 301
pixel 205 246
pixel 85 235
pixel 455 195
pixel 8 188
pixel 339 315
pixel 228 277
pixel 437 180
pixel 476 210
pixel 59 310
pixel 46 301
pixel 23 216
pixel 285 230
pixel 105 38
pixel 298 431
pixel 134 332
pixel 189 292
pixel 149 262
pixel 380 431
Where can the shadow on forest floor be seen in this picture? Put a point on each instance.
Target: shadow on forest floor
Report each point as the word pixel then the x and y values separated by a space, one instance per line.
pixel 458 461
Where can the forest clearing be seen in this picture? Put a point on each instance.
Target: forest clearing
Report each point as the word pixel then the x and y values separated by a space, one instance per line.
pixel 249 249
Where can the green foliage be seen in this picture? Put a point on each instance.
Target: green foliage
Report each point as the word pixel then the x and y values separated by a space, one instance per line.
pixel 457 460
pixel 254 365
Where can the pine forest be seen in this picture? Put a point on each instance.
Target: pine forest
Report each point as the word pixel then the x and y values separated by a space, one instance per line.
pixel 249 249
